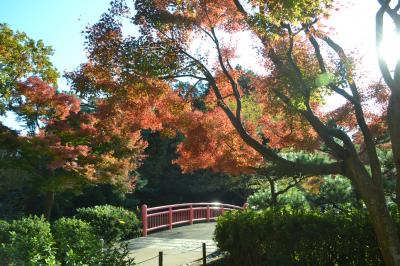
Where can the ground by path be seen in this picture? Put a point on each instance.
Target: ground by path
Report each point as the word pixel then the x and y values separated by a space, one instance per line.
pixel 180 246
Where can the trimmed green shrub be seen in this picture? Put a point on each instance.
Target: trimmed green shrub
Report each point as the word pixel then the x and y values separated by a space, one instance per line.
pixel 297 238
pixel 30 241
pixel 117 255
pixel 78 244
pixel 4 229
pixel 27 241
pixel 111 223
pixel 76 241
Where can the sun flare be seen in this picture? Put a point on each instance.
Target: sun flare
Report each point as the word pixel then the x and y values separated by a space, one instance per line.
pixel 389 49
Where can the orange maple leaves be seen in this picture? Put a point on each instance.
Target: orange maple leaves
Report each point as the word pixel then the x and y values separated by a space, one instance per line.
pixel 42 101
pixel 212 142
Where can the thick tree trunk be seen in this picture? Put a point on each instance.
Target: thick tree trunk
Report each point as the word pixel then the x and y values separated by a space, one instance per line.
pixel 48 205
pixel 394 131
pixel 383 224
pixel 385 230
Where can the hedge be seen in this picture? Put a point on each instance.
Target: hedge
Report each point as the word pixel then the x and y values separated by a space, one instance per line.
pixel 110 222
pixel 76 241
pixel 27 241
pixel 285 237
pixel 70 241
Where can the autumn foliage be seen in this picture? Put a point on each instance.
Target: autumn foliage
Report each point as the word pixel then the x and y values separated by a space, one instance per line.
pixel 182 74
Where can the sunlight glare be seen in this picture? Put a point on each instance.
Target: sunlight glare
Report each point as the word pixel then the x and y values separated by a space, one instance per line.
pixel 390 47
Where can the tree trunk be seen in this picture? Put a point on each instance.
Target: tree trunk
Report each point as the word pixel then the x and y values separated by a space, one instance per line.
pixel 48 206
pixel 385 230
pixel 394 131
pixel 382 222
pixel 274 196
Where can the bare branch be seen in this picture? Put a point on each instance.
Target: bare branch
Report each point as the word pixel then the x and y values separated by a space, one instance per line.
pixel 392 12
pixel 183 76
pixel 233 83
pixel 240 8
pixel 291 185
pixel 368 139
pixel 321 63
pixel 317 50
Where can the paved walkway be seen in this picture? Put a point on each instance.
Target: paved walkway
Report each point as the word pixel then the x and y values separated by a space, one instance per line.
pixel 180 246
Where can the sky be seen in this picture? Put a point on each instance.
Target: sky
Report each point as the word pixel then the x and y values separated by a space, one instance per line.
pixel 59 23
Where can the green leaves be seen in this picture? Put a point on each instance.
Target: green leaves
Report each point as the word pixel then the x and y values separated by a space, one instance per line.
pixel 305 157
pixel 251 110
pixel 76 241
pixel 324 79
pixel 27 242
pixel 111 223
pixel 21 57
pixel 293 198
pixel 297 238
pixel 69 241
pixel 270 17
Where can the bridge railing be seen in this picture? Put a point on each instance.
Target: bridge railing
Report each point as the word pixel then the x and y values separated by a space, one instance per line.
pixel 170 215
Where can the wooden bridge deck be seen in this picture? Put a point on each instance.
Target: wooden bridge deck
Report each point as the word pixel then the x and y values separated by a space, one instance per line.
pixel 180 246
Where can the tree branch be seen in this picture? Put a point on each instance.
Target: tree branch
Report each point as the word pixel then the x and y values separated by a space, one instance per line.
pixel 303 169
pixel 183 76
pixel 240 8
pixel 229 76
pixel 295 183
pixel 381 60
pixel 368 139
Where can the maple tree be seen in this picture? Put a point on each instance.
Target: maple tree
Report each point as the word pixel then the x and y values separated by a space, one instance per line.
pixel 67 145
pixel 21 57
pixel 68 148
pixel 249 123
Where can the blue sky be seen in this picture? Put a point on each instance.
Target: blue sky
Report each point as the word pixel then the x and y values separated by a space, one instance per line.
pixel 58 23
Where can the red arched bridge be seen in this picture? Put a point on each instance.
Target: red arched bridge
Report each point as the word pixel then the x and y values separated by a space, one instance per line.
pixel 169 215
